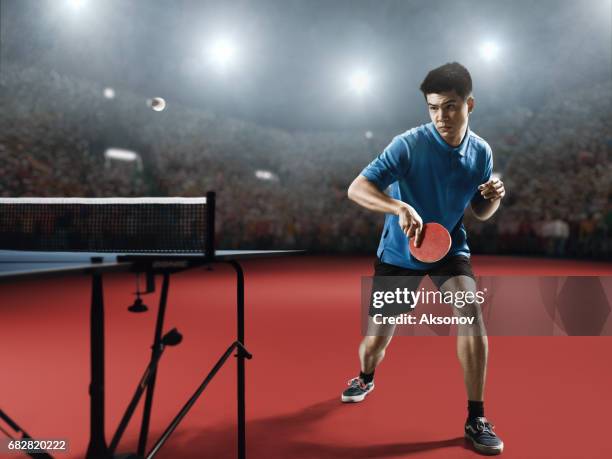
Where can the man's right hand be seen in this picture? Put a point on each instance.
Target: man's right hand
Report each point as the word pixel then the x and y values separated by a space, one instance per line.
pixel 410 222
pixel 367 194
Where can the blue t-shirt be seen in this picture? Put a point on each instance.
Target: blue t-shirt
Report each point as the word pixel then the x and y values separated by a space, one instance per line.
pixel 438 180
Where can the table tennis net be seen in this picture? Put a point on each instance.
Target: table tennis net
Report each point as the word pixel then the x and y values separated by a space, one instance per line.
pixel 126 225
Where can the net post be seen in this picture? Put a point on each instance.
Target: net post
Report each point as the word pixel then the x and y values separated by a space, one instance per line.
pixel 210 225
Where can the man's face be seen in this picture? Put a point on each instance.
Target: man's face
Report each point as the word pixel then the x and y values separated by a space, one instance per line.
pixel 449 113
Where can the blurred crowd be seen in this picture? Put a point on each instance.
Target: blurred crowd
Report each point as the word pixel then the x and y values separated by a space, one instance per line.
pixel 558 173
pixel 281 189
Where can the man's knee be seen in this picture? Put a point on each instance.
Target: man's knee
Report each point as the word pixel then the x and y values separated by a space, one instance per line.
pixel 468 309
pixel 465 297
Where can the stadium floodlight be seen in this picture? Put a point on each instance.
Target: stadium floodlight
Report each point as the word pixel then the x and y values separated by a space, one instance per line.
pixel 489 50
pixel 222 53
pixel 119 154
pixel 266 175
pixel 359 82
pixel 76 4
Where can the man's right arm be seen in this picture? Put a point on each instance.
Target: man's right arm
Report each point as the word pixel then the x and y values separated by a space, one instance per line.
pixel 366 194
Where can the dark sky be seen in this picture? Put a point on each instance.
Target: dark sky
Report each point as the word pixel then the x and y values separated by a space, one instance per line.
pixel 294 57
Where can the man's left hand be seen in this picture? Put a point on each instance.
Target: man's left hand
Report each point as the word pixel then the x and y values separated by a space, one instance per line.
pixel 492 190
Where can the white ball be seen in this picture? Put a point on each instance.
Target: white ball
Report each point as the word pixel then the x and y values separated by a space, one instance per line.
pixel 157 104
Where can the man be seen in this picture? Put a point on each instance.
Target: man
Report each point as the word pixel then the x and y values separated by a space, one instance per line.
pixel 434 172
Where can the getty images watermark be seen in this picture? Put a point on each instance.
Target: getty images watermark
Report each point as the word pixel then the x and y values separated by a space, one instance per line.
pixel 410 298
pixel 487 305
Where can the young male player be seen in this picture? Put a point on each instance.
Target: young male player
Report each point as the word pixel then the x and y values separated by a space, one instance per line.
pixel 435 171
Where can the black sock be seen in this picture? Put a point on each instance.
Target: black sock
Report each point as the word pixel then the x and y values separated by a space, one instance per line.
pixel 367 379
pixel 475 409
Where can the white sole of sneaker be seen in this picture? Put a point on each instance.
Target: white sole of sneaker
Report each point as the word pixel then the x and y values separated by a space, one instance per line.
pixel 355 398
pixel 489 450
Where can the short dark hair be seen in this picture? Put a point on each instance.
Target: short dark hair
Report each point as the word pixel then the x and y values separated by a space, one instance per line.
pixel 448 77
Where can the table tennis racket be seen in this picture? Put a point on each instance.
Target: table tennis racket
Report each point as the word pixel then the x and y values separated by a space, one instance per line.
pixel 435 243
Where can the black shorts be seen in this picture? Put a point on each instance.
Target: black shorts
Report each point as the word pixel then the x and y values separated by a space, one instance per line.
pixel 456 265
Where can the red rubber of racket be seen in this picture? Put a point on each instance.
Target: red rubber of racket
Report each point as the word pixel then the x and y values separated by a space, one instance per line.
pixel 435 243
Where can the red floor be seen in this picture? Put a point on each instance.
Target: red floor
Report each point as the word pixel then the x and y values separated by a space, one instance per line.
pixel 548 396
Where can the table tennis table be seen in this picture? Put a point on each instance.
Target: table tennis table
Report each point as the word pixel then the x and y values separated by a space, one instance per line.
pixel 25 264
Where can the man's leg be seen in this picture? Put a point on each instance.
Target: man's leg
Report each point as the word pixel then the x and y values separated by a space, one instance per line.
pixel 472 343
pixel 374 344
pixel 473 352
pixel 371 352
pixel 378 335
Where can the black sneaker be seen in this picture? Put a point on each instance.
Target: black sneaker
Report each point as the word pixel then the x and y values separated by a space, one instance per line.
pixel 480 433
pixel 357 390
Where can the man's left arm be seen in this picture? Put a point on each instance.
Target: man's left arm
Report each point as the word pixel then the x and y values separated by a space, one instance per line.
pixel 491 194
